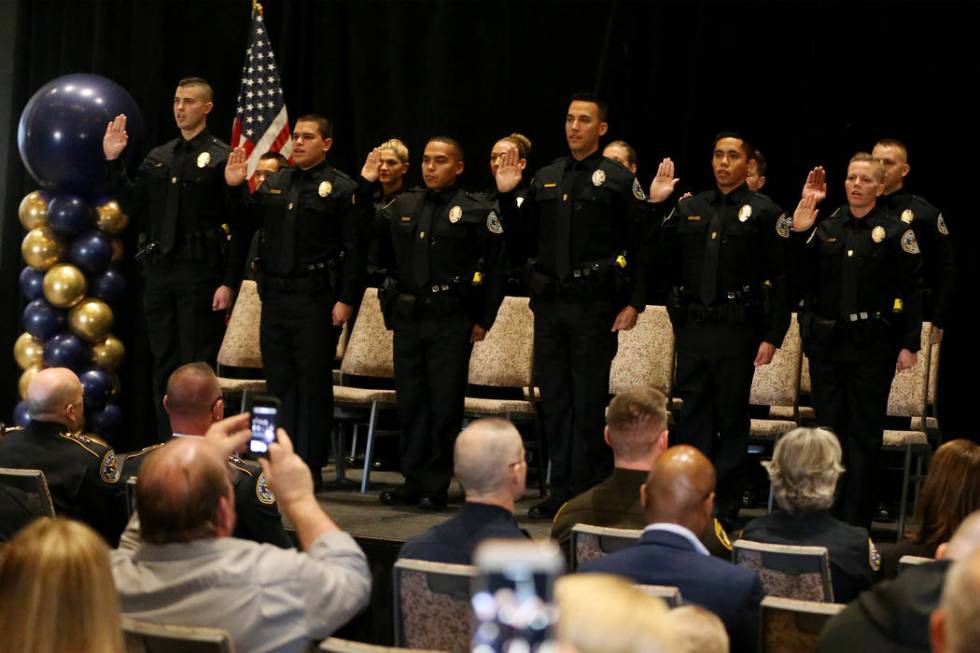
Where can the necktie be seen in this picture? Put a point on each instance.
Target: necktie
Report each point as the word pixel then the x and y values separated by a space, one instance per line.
pixel 421 258
pixel 712 248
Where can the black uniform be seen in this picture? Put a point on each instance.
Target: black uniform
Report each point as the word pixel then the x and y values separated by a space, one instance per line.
pixel 586 223
pixel 932 234
pixel 181 201
pixel 726 272
pixel 83 475
pixel 309 259
pixel 440 240
pixel 862 285
pixel 257 515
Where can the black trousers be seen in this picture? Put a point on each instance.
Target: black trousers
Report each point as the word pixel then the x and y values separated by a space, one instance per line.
pixel 714 378
pixel 299 343
pixel 432 358
pixel 180 325
pixel 573 353
pixel 850 386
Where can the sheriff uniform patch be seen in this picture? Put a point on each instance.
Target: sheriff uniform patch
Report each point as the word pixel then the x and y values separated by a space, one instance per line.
pixel 784 225
pixel 638 190
pixel 493 223
pixel 109 469
pixel 941 225
pixel 262 491
pixel 909 244
pixel 874 557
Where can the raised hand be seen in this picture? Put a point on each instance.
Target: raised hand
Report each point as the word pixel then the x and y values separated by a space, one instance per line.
pixel 237 167
pixel 664 182
pixel 115 139
pixel 805 214
pixel 508 172
pixel 816 184
pixel 372 165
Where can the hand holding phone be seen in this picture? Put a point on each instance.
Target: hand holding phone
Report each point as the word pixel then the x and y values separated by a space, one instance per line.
pixel 265 420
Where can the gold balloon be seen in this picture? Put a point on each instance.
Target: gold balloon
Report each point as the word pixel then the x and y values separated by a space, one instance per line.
pixel 111 218
pixel 28 351
pixel 108 354
pixel 42 248
pixel 117 249
pixel 64 285
pixel 90 320
pixel 26 378
pixel 33 211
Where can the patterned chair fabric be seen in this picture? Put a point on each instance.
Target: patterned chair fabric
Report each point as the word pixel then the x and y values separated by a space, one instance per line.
pixel 432 605
pixel 146 637
pixel 336 645
pixel 503 358
pixel 778 383
pixel 795 572
pixel 369 349
pixel 240 346
pixel 671 595
pixel 792 626
pixel 590 542
pixel 645 356
pixel 32 483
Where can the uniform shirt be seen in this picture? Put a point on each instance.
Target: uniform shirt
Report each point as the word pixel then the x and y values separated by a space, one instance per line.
pixel 576 213
pixel 454 540
pixel 267 598
pixel 857 267
pixel 853 558
pixel 751 233
pixel 932 234
pixel 309 217
pixel 83 476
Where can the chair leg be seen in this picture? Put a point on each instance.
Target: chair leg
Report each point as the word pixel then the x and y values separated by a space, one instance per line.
pixel 544 466
pixel 903 502
pixel 369 447
pixel 769 503
pixel 353 442
pixel 340 465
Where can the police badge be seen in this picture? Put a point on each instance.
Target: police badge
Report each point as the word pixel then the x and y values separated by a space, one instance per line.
pixel 455 214
pixel 744 213
pixel 203 159
pixel 908 216
pixel 324 189
pixel 878 234
pixel 598 177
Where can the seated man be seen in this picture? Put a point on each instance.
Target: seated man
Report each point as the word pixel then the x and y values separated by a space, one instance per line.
pixel 178 564
pixel 83 474
pixel 193 402
pixel 955 624
pixel 489 464
pixel 636 430
pixel 679 498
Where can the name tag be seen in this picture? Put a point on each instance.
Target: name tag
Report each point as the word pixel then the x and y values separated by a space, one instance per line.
pixel 694 218
pixel 275 191
pixel 830 240
pixel 551 185
pixel 406 218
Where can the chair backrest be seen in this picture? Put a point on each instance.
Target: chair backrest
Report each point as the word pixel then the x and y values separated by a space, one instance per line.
pixel 793 626
pixel 369 349
pixel 805 387
pixel 911 561
pixel 146 637
pixel 778 383
pixel 432 605
pixel 910 388
pixel 240 346
pixel 670 594
pixel 645 356
pixel 590 542
pixel 336 645
pixel 33 484
pixel 503 358
pixel 342 341
pixel 794 572
pixel 934 373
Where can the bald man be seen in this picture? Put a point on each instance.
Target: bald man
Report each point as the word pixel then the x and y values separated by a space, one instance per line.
pixel 83 475
pixel 955 625
pixel 489 464
pixel 678 498
pixel 193 402
pixel 178 563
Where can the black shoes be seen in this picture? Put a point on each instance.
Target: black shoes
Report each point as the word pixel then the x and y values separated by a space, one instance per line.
pixel 433 502
pixel 402 495
pixel 547 509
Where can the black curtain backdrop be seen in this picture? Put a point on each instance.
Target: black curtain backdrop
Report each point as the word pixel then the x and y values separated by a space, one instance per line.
pixel 809 82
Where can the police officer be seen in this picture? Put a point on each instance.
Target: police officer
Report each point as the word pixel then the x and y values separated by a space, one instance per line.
pixel 859 273
pixel 83 474
pixel 584 218
pixel 181 202
pixel 441 297
pixel 723 254
pixel 930 229
pixel 309 274
pixel 392 169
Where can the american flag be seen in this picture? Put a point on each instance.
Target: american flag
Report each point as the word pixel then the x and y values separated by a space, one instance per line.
pixel 261 122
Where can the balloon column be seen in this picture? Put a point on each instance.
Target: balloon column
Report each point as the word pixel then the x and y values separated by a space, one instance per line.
pixel 71 282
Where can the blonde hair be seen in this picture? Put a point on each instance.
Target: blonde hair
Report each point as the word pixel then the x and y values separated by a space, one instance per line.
pixel 804 470
pixel 878 170
pixel 601 613
pixel 636 417
pixel 522 142
pixel 57 592
pixel 698 630
pixel 396 146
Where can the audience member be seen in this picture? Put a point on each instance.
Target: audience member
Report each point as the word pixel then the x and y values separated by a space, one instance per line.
pixel 489 464
pixel 83 474
pixel 56 591
pixel 955 625
pixel 804 470
pixel 679 498
pixel 697 630
pixel 178 564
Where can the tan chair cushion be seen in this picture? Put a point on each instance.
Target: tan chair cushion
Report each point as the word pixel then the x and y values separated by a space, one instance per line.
pixel 498 406
pixel 902 438
pixel 240 385
pixel 343 394
pixel 770 429
pixel 645 356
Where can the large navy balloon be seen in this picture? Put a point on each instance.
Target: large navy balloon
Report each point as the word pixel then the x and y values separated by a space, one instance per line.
pixel 42 320
pixel 32 283
pixel 66 350
pixel 96 386
pixel 70 215
pixel 61 129
pixel 22 416
pixel 106 420
pixel 91 251
pixel 110 286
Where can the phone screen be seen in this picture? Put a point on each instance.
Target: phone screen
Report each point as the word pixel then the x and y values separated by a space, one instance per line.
pixel 264 417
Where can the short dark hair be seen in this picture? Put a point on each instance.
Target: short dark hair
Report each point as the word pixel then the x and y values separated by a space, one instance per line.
pixel 760 163
pixel 894 142
pixel 197 81
pixel 747 147
pixel 274 156
pixel 326 129
pixel 451 142
pixel 594 99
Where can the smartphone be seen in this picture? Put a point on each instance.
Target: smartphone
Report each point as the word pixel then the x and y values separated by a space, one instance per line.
pixel 265 419
pixel 513 596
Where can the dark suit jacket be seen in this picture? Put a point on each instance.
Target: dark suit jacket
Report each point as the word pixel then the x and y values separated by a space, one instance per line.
pixel 663 558
pixel 454 540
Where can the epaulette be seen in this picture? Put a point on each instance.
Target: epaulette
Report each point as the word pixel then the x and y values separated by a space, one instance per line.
pixel 144 450
pixel 478 198
pixel 220 144
pixel 924 202
pixel 239 464
pixel 86 443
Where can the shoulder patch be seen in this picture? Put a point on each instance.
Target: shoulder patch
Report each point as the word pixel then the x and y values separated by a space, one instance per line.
pixel 784 224
pixel 941 225
pixel 109 469
pixel 909 244
pixel 874 557
pixel 262 491
pixel 722 535
pixel 638 190
pixel 493 223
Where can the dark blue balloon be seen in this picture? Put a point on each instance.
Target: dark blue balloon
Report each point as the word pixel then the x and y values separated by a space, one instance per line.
pixel 32 283
pixel 91 252
pixel 61 129
pixel 21 416
pixel 70 215
pixel 105 421
pixel 42 320
pixel 96 386
pixel 110 286
pixel 67 350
